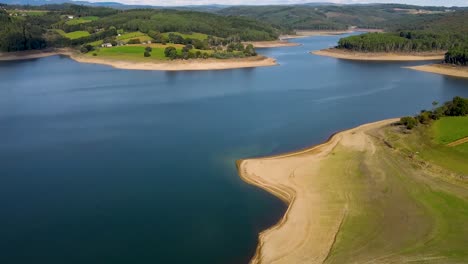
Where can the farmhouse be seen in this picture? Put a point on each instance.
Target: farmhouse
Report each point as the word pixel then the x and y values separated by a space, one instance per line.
pixel 106 45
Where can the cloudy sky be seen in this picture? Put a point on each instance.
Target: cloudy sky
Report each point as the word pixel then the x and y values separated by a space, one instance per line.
pixel 266 2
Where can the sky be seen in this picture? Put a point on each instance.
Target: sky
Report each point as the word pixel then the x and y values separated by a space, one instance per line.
pixel 276 2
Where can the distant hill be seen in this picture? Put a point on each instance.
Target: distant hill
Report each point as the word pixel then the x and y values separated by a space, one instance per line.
pixel 335 17
pixel 116 5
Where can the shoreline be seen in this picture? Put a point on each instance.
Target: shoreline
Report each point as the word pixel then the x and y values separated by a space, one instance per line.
pixel 299 236
pixel 443 69
pixel 273 44
pixel 177 65
pixel 182 65
pixel 363 56
pixel 31 54
pixel 310 33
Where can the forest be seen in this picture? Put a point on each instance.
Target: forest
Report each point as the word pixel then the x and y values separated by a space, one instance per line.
pixel 339 17
pixel 403 41
pixel 424 33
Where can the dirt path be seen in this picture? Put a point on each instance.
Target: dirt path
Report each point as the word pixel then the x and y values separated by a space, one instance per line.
pixel 458 142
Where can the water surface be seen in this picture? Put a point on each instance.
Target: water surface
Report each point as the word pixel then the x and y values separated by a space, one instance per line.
pixel 100 165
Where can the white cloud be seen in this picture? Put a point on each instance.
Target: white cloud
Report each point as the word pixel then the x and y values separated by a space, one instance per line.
pixel 278 2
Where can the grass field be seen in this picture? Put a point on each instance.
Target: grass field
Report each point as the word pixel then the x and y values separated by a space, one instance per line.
pixel 133 35
pixel 33 12
pixel 398 209
pixel 135 52
pixel 198 36
pixel 81 20
pixel 74 34
pixel 96 43
pixel 449 129
pixel 462 148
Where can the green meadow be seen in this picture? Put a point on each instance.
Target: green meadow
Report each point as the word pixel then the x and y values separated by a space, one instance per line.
pixel 135 52
pixel 81 20
pixel 133 35
pixel 407 202
pixel 74 34
pixel 449 129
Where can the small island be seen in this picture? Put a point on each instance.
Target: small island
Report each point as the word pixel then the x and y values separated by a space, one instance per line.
pixel 400 183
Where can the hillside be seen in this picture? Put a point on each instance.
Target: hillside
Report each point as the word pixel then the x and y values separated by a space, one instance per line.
pixel 65 25
pixel 335 17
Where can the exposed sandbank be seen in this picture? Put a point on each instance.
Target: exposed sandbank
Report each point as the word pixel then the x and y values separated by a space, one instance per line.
pixel 182 65
pixel 309 227
pixel 176 65
pixel 450 70
pixel 273 44
pixel 309 33
pixel 380 56
pixel 30 54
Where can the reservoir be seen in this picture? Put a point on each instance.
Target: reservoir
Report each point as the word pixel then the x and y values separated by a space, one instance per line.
pixel 100 165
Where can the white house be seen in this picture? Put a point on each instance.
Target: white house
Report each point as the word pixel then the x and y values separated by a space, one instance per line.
pixel 106 45
pixel 70 17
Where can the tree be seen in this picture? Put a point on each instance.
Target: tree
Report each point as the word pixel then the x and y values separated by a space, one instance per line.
pixel 458 107
pixel 147 54
pixel 250 50
pixel 148 49
pixel 134 41
pixel 156 36
pixel 170 52
pixel 187 48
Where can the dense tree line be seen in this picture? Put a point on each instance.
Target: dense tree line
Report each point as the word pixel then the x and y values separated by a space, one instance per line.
pixel 233 50
pixel 187 22
pixel 457 56
pixel 404 41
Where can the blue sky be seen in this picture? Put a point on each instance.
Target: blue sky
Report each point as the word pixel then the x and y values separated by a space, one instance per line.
pixel 266 2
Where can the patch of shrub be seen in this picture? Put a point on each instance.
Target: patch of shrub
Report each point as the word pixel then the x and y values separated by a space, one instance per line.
pixel 409 122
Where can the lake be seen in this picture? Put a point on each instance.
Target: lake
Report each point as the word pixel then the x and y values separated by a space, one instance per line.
pixel 100 165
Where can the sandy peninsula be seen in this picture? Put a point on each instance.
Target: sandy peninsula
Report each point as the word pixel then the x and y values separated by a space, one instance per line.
pixel 449 70
pixel 364 56
pixel 309 228
pixel 175 65
pixel 182 65
pixel 273 44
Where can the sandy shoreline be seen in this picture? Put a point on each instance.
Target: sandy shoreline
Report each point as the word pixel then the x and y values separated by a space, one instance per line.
pixel 31 54
pixel 449 70
pixel 310 33
pixel 183 65
pixel 362 56
pixel 272 44
pixel 177 65
pixel 309 227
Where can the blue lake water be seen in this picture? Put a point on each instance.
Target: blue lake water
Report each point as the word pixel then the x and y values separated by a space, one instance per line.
pixel 100 165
